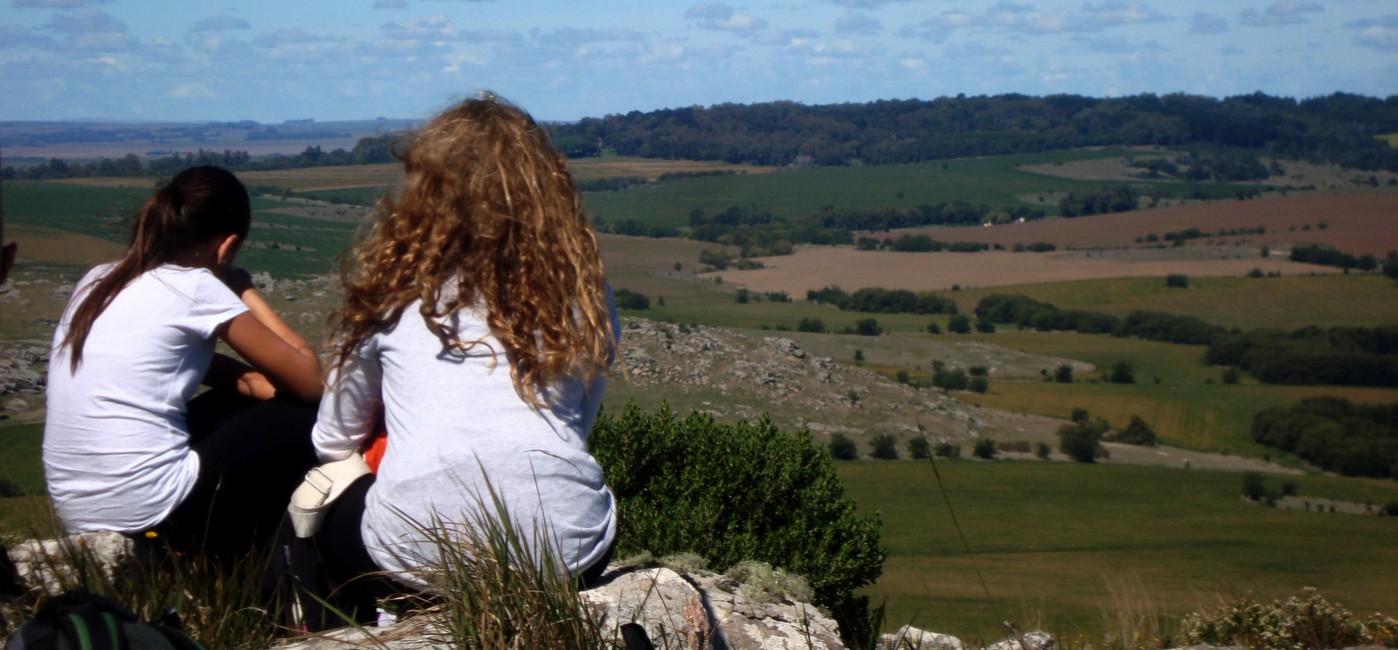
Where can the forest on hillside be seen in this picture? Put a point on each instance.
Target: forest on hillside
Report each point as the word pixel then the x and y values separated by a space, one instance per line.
pixel 1339 128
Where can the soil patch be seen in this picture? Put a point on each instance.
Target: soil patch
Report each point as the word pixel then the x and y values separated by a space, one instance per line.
pixel 817 267
pixel 1353 223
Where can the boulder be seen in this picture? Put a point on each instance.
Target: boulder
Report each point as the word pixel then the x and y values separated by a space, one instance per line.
pixel 45 563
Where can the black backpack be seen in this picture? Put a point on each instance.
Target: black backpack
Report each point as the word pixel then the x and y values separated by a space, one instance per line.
pixel 77 620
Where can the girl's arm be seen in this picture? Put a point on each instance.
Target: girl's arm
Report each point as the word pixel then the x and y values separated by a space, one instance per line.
pixel 273 348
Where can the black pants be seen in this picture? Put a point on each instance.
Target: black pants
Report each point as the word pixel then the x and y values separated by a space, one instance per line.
pixel 252 455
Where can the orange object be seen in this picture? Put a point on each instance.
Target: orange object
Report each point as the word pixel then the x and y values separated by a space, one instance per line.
pixel 377 443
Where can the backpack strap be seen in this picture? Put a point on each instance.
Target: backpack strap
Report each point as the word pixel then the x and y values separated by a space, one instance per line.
pixel 91 629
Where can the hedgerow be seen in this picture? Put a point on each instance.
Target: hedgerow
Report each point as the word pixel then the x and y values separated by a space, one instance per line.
pixel 734 492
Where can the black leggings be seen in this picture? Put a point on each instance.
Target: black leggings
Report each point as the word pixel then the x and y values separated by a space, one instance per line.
pixel 252 455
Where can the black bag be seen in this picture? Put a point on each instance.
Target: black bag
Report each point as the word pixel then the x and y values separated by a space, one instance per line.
pixel 77 620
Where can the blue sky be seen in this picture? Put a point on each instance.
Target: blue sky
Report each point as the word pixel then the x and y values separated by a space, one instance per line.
pixel 564 59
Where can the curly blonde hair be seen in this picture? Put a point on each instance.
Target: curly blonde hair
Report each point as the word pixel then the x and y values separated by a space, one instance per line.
pixel 487 213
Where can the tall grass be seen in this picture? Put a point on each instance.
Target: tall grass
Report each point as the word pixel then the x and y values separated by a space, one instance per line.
pixel 497 590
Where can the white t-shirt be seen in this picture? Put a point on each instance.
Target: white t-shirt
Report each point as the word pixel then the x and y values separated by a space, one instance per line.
pixel 116 446
pixel 454 420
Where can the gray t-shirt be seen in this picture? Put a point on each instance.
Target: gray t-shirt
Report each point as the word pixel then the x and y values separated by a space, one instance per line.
pixel 455 421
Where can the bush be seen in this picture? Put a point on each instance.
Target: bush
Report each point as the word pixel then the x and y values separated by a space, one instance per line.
pixel 1298 624
pixel 978 385
pixel 1136 433
pixel 867 327
pixel 1122 373
pixel 919 448
pixel 985 327
pixel 9 489
pixel 746 491
pixel 1082 441
pixel 842 448
pixel 947 450
pixel 934 328
pixel 884 447
pixel 1335 434
pixel 1043 450
pixel 811 325
pixel 984 449
pixel 1063 374
pixel 1254 487
pixel 1177 281
pixel 627 299
pixel 959 325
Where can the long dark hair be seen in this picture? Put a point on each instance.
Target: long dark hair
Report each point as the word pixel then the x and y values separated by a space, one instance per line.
pixel 198 204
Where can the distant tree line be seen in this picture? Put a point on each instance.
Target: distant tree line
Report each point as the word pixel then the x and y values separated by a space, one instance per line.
pixel 883 301
pixel 1041 316
pixel 1102 201
pixel 1351 356
pixel 1328 256
pixel 369 150
pixel 1335 434
pixel 1339 128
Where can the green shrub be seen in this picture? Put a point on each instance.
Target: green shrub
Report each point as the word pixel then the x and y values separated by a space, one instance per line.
pixel 10 489
pixel 959 325
pixel 1299 623
pixel 745 491
pixel 1043 450
pixel 1136 433
pixel 984 449
pixel 884 447
pixel 1122 373
pixel 978 385
pixel 842 448
pixel 919 448
pixel 867 327
pixel 947 450
pixel 1082 441
pixel 811 325
pixel 1177 281
pixel 1063 374
pixel 628 299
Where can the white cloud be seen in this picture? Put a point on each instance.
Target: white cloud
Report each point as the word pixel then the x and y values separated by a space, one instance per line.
pixel 721 17
pixel 1117 12
pixel 1024 18
pixel 1378 33
pixel 55 4
pixel 1202 23
pixel 390 4
pixel 189 90
pixel 436 27
pixel 855 22
pixel 94 29
pixel 1281 12
pixel 18 36
pixel 218 24
pixel 286 37
pixel 938 28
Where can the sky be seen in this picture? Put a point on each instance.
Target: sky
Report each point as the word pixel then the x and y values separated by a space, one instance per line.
pixel 278 60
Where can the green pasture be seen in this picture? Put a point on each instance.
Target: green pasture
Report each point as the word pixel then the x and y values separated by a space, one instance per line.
pixel 21 463
pixel 103 212
pixel 1176 392
pixel 994 181
pixel 1061 545
pixel 1288 302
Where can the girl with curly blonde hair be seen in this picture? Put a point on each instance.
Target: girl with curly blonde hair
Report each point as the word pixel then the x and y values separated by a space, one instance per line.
pixel 477 318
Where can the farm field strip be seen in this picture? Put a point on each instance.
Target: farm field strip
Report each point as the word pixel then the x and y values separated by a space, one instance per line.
pixel 1053 539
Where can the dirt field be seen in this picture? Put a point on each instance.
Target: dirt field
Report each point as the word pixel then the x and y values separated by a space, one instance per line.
pixel 1298 173
pixel 594 168
pixel 815 267
pixel 1353 223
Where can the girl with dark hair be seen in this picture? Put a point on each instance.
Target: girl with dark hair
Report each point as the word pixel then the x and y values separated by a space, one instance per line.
pixel 477 317
pixel 127 446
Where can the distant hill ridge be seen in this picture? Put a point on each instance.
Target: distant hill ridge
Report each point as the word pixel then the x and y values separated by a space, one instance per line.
pixel 1341 128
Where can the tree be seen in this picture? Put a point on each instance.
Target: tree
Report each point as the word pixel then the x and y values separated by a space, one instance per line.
pixel 1122 373
pixel 984 449
pixel 919 448
pixel 1063 374
pixel 947 450
pixel 867 327
pixel 811 325
pixel 1137 433
pixel 978 385
pixel 959 324
pixel 1043 451
pixel 842 448
pixel 884 447
pixel 1083 441
pixel 1177 281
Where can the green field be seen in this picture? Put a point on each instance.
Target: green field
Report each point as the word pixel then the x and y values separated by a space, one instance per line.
pixel 1289 302
pixel 1057 543
pixel 993 181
